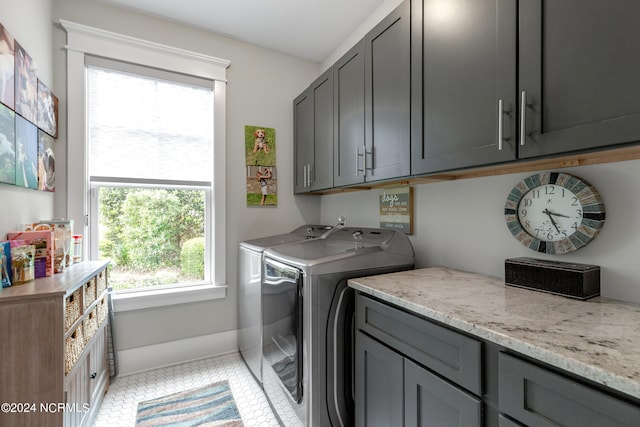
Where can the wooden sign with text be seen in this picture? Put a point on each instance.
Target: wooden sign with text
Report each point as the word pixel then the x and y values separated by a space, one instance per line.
pixel 396 209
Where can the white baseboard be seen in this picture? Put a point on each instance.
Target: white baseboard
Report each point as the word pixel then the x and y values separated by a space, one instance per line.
pixel 155 356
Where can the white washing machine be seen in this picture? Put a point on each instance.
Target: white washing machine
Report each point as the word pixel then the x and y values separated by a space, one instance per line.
pixel 308 322
pixel 249 297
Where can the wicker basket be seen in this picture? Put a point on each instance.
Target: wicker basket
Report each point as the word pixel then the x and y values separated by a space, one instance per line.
pixel 103 310
pixel 90 324
pixel 89 292
pixel 72 309
pixel 102 282
pixel 74 344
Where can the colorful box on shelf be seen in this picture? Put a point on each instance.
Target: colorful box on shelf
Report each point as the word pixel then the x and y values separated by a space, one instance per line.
pixel 5 264
pixel 43 242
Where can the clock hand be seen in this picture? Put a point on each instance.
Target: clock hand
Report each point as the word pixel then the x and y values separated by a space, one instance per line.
pixel 553 221
pixel 556 214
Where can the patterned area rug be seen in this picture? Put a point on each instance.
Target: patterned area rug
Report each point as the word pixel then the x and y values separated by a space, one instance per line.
pixel 210 405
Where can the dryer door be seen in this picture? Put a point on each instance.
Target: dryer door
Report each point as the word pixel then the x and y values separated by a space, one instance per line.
pixel 282 324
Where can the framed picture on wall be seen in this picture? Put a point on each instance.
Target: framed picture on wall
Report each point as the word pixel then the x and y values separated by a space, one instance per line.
pixel 47 110
pixel 26 153
pixel 260 161
pixel 7 68
pixel 26 85
pixel 46 163
pixel 7 145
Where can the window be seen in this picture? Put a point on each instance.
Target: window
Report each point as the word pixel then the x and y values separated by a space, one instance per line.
pixel 150 162
pixel 88 181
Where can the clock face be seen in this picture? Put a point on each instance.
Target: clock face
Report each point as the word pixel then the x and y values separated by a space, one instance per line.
pixel 554 212
pixel 550 212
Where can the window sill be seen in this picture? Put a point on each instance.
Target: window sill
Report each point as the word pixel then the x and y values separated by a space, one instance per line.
pixel 127 301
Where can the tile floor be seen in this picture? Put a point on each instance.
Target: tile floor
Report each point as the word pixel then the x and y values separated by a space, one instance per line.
pixel 120 403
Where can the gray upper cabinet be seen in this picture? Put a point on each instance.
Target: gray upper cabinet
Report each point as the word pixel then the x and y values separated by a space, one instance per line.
pixel 387 55
pixel 463 56
pixel 372 104
pixel 579 75
pixel 303 137
pixel 349 117
pixel 313 135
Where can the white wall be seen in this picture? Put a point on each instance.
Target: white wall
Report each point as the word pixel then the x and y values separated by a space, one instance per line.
pixel 461 224
pixel 261 87
pixel 29 21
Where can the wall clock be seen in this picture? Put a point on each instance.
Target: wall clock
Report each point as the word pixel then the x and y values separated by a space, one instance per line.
pixel 554 212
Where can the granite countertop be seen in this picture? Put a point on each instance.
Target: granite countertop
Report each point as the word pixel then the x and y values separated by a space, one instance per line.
pixel 598 339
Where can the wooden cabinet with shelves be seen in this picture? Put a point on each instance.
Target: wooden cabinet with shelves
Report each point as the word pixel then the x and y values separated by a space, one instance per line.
pixel 54 347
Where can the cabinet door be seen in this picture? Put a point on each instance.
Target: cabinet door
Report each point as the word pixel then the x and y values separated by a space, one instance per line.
pixel 348 83
pixel 303 139
pixel 378 388
pixel 579 75
pixel 463 69
pixel 77 394
pixel 322 166
pixel 432 401
pixel 387 96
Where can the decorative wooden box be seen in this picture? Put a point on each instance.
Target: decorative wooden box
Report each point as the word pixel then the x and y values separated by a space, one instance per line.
pixel 580 281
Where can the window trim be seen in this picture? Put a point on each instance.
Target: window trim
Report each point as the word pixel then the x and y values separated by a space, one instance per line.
pixel 84 40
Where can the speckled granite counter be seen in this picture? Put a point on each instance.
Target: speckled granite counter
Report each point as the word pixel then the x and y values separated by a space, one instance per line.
pixel 598 339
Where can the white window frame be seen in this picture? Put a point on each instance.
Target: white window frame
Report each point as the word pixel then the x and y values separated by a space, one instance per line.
pixel 83 40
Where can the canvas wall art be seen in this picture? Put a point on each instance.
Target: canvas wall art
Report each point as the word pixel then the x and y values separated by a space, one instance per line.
pixel 7 145
pixel 7 68
pixel 47 110
pixel 46 163
pixel 261 172
pixel 26 85
pixel 26 153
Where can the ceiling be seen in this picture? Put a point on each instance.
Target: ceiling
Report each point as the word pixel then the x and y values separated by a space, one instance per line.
pixel 309 29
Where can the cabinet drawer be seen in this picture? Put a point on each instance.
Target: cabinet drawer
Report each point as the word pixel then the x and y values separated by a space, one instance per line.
pixel 507 422
pixel 450 354
pixel 538 397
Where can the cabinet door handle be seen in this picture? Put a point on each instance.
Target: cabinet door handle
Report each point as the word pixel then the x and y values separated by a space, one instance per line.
pixel 309 169
pixel 500 106
pixel 364 159
pixel 358 155
pixel 94 375
pixel 523 118
pixel 304 176
pixel 501 113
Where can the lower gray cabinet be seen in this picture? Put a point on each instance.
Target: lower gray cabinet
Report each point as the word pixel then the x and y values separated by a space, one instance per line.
pixel 431 401
pixel 412 372
pixel 537 397
pixel 391 390
pixel 379 384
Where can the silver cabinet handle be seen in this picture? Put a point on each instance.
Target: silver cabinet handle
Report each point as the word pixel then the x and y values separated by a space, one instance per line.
pixel 310 180
pixel 364 157
pixel 523 118
pixel 304 176
pixel 364 161
pixel 500 113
